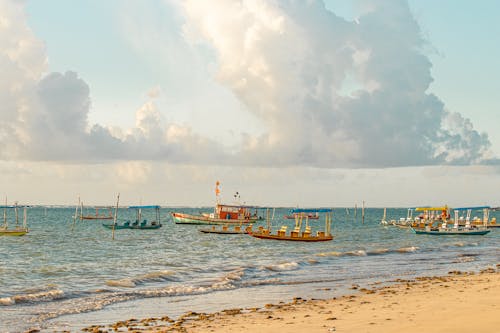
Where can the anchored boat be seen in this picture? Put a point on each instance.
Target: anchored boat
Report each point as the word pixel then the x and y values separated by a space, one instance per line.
pixel 298 234
pixel 457 228
pixel 18 229
pixel 139 222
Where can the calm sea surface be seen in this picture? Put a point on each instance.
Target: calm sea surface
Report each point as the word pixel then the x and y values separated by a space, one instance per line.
pixel 60 277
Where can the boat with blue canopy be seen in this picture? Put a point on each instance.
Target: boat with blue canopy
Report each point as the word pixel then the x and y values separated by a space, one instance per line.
pixel 140 222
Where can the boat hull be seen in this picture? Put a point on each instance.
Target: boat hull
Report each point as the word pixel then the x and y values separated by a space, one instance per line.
pixel 146 227
pixel 181 218
pixel 13 232
pixel 292 239
pixel 222 232
pixel 452 232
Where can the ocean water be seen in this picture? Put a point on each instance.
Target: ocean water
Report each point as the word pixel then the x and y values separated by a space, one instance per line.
pixel 65 277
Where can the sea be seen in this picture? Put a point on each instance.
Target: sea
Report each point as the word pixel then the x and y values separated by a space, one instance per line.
pixel 68 274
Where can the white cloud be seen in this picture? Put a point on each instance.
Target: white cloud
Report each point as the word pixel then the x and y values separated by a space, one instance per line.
pixel 287 61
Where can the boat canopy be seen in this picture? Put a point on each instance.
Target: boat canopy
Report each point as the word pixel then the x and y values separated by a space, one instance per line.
pixel 421 209
pixel 139 207
pixel 9 207
pixel 311 210
pixel 241 206
pixel 472 208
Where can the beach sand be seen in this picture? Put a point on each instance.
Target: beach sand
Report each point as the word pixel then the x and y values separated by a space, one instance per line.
pixel 458 302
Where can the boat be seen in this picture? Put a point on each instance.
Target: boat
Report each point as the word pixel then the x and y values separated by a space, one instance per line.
pixel 403 223
pixel 457 229
pixel 18 229
pixel 224 230
pixel 310 216
pixel 297 234
pixel 139 223
pixel 223 214
pixel 232 214
pixel 98 216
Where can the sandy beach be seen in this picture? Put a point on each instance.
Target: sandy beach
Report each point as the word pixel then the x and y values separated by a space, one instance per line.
pixel 458 302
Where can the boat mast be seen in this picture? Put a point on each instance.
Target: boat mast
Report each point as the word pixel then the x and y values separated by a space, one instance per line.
pixel 5 214
pixel 17 215
pixel 114 219
pixel 76 214
pixel 25 218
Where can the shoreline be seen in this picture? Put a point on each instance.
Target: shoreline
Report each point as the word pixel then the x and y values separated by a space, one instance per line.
pixel 460 302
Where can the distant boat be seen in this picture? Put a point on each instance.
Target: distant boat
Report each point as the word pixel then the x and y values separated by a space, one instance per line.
pixel 139 223
pixel 457 229
pixel 98 216
pixel 310 216
pixel 298 234
pixel 17 229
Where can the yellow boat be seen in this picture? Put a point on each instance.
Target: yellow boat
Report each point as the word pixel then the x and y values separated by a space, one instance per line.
pixel 297 234
pixel 18 230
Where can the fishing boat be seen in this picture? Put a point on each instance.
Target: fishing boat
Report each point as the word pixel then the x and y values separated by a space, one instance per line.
pixel 310 216
pixel 223 214
pixel 18 229
pixel 457 229
pixel 99 216
pixel 225 230
pixel 233 214
pixel 139 223
pixel 297 234
pixel 403 222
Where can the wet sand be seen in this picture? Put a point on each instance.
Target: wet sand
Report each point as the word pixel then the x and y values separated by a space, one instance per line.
pixel 458 302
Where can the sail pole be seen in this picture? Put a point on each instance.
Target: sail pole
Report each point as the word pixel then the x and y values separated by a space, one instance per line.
pixel 17 215
pixel 114 219
pixel 76 214
pixel 25 218
pixel 5 214
pixel 363 213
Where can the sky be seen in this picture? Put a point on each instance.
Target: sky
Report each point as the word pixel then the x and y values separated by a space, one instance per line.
pixel 309 103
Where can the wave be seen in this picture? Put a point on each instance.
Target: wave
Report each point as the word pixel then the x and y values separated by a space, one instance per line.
pixel 407 249
pixel 40 296
pixel 144 278
pixel 286 266
pixel 361 253
pixel 378 251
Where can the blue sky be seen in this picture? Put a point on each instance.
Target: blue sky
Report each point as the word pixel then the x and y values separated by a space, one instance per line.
pixel 183 91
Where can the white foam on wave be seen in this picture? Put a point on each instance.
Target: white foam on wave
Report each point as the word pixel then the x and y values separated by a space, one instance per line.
pixel 133 282
pixel 408 249
pixel 379 251
pixel 357 253
pixel 329 254
pixel 286 266
pixel 127 283
pixel 42 296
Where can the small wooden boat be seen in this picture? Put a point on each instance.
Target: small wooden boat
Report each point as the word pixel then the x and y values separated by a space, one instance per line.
pixel 310 216
pixel 144 225
pixel 18 229
pixel 98 216
pixel 225 230
pixel 297 234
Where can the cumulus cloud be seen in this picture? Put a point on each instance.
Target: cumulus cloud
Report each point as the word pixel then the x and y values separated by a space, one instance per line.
pixel 333 92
